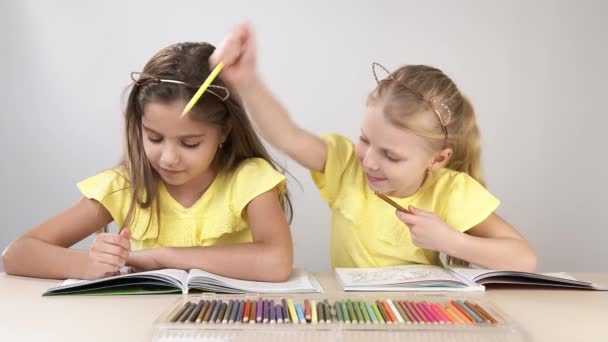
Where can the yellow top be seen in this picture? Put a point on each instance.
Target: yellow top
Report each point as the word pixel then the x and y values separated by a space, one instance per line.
pixel 217 217
pixel 365 232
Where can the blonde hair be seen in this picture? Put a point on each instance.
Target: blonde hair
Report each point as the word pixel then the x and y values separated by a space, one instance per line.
pixel 412 91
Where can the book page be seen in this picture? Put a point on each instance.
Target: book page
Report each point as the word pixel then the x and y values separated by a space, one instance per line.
pixel 479 274
pixel 299 281
pixel 394 275
pixel 172 276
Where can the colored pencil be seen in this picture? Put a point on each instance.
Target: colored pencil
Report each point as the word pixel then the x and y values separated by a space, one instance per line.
pixel 313 312
pixel 378 313
pixel 292 312
pixel 279 313
pixel 370 311
pixel 247 311
pixel 179 312
pixel 300 312
pixel 265 311
pixel 486 314
pixel 469 311
pixel 395 312
pixel 327 311
pixel 196 311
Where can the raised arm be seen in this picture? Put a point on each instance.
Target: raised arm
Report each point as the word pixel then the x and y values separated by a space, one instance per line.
pixel 238 53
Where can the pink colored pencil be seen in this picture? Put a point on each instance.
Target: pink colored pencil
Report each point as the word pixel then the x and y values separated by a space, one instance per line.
pixel 431 318
pixel 433 313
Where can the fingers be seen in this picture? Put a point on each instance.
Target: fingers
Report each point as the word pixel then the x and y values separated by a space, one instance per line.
pixel 234 47
pixel 126 233
pixel 111 274
pixel 249 50
pixel 117 239
pixel 409 219
pixel 420 212
pixel 112 249
pixel 112 260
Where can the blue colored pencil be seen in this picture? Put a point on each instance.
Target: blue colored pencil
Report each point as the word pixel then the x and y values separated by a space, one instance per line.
pixel 370 311
pixel 300 313
pixel 216 310
pixel 469 311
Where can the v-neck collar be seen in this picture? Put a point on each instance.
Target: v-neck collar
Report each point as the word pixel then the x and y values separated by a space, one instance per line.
pixel 201 201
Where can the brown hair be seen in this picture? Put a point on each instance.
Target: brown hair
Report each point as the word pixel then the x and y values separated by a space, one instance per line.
pixel 412 91
pixel 187 63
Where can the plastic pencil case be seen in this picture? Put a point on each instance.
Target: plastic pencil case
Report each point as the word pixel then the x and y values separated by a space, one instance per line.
pixel 420 321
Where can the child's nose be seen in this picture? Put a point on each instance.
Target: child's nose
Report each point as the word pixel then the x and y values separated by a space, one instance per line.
pixel 369 160
pixel 169 156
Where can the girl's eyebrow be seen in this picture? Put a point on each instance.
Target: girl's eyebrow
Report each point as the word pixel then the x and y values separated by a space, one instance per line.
pixel 186 136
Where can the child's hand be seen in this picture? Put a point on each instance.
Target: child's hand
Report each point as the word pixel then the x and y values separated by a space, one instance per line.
pixel 146 260
pixel 237 52
pixel 428 230
pixel 108 254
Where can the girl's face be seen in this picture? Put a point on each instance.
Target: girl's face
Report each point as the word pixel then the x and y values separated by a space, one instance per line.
pixel 395 160
pixel 180 150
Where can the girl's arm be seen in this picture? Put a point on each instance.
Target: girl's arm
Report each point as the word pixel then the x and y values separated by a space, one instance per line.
pixel 268 258
pixel 495 244
pixel 44 251
pixel 492 244
pixel 238 55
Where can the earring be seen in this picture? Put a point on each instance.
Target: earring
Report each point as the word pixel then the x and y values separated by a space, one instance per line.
pixel 220 146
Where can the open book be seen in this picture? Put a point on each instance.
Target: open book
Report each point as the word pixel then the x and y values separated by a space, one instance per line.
pixel 436 278
pixel 180 281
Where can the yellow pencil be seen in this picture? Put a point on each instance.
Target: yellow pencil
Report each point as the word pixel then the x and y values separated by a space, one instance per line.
pixel 202 89
pixel 292 311
pixel 313 310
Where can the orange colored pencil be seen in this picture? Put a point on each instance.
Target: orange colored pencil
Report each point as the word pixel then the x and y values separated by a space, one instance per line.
pixel 462 317
pixel 389 312
pixel 462 311
pixel 247 311
pixel 452 316
pixel 442 312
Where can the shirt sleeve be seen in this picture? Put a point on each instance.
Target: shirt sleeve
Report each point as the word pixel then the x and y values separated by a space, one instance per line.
pixel 468 203
pixel 111 188
pixel 340 166
pixel 252 178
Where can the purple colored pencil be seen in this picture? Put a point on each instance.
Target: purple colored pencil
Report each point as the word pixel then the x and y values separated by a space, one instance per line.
pixel 265 314
pixel 279 313
pixel 272 311
pixel 260 310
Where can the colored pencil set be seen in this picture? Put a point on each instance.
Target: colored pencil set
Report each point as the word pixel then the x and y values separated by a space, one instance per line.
pixel 382 311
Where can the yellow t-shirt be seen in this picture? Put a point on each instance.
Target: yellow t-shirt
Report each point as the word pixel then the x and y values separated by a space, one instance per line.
pixel 217 217
pixel 365 232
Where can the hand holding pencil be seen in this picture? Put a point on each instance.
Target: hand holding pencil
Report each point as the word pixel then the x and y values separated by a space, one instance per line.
pixel 238 55
pixel 108 254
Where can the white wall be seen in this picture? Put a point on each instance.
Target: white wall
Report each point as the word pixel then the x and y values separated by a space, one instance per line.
pixel 535 70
